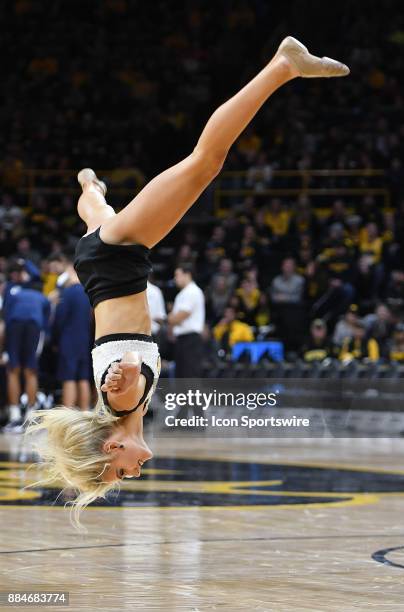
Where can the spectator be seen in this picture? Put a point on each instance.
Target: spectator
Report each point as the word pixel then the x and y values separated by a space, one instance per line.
pixel 287 288
pixel 370 212
pixel 230 330
pixel 25 251
pixel 187 320
pixel 318 347
pixel 249 295
pixel 26 313
pixel 344 329
pixel 259 175
pixel 277 219
pixel 289 313
pixel 380 325
pixel 359 346
pixel 157 307
pixel 72 333
pixel 338 214
pixel 304 221
pixel 371 243
pixel 395 293
pixel 10 213
pixel 396 348
pixel 218 296
pixel 225 269
pixel 338 263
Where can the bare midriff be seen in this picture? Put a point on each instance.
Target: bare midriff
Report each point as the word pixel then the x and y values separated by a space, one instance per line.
pixel 128 314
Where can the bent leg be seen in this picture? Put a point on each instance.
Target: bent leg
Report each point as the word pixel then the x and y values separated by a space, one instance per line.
pixel 162 203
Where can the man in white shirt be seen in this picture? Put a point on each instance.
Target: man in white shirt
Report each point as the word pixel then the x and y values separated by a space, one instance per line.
pixel 187 320
pixel 157 307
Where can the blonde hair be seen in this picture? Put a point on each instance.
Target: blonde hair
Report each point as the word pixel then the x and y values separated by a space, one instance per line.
pixel 72 452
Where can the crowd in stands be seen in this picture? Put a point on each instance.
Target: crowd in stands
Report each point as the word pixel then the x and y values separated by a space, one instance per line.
pixel 325 276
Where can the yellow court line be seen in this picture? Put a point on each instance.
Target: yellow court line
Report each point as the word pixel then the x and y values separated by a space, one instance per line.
pixel 357 500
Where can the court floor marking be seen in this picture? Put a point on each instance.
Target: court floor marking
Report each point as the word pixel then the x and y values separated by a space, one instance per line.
pixel 380 556
pixel 289 462
pixel 211 541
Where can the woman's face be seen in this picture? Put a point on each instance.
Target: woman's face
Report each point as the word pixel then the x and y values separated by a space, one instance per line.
pixel 127 455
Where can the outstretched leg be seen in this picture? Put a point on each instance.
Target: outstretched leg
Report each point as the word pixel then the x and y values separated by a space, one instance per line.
pixel 162 203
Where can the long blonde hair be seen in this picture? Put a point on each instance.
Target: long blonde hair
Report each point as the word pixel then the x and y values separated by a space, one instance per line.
pixel 72 452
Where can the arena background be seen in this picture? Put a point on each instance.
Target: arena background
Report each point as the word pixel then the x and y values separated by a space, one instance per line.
pixel 125 87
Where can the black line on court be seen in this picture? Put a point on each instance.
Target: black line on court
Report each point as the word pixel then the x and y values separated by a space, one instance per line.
pixel 380 556
pixel 213 540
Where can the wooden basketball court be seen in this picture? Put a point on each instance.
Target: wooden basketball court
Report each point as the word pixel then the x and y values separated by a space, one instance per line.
pixel 276 525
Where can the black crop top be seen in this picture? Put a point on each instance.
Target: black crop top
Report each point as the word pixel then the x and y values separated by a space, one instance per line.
pixel 109 271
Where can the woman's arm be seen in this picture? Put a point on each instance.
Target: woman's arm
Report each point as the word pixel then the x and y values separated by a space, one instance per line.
pixel 124 383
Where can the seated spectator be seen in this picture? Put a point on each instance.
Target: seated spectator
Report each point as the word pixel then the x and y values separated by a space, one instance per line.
pixel 263 233
pixel 24 250
pixel 380 325
pixel 338 263
pixel 367 280
pixel 225 270
pixel 359 346
pixel 249 295
pixel 371 243
pixel 395 292
pixel 338 214
pixel 287 287
pixel 369 211
pixel 259 175
pixel 230 330
pixel 345 326
pixel 217 241
pixel 262 316
pixel 318 347
pixel 277 219
pixel 185 256
pixel 303 221
pixel 249 248
pixel 9 212
pixel 353 230
pixel 218 295
pixel 396 348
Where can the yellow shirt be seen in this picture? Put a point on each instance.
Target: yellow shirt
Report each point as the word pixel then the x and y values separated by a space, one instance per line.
pixel 373 247
pixel 237 330
pixel 250 299
pixel 49 283
pixel 278 222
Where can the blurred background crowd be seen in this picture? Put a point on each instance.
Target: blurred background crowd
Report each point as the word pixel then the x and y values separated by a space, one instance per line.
pixel 298 244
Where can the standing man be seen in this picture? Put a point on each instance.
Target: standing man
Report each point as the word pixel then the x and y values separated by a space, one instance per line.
pixel 187 320
pixel 157 307
pixel 72 332
pixel 26 314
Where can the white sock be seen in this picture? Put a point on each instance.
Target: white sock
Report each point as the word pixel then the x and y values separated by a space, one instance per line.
pixel 14 412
